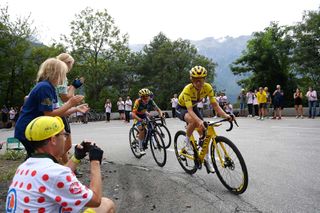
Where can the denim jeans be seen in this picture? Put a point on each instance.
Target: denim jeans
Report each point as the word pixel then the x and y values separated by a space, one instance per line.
pixel 312 108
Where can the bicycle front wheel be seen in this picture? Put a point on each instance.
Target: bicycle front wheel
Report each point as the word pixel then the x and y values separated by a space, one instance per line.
pixel 165 134
pixel 157 148
pixel 133 142
pixel 186 158
pixel 229 165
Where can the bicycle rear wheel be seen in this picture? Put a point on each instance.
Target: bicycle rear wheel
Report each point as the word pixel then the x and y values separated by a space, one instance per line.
pixel 185 159
pixel 157 148
pixel 133 142
pixel 231 168
pixel 165 134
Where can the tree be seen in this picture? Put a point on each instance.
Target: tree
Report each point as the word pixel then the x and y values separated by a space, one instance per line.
pixel 100 52
pixel 307 50
pixel 165 67
pixel 267 60
pixel 15 40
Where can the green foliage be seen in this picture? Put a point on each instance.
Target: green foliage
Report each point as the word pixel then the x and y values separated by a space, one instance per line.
pixel 20 58
pixel 307 50
pixel 13 155
pixel 268 60
pixel 165 67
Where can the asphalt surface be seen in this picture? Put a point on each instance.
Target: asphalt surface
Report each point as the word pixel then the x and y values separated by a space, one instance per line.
pixel 282 158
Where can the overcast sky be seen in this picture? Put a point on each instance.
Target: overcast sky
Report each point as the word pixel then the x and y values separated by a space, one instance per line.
pixel 144 19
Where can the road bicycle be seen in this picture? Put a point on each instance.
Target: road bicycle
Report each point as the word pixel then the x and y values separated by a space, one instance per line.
pixel 226 158
pixel 162 128
pixel 154 138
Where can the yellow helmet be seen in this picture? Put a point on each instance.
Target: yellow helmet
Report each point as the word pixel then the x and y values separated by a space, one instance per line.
pixel 43 127
pixel 144 92
pixel 198 72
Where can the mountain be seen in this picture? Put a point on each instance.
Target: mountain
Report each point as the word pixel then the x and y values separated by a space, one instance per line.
pixel 222 51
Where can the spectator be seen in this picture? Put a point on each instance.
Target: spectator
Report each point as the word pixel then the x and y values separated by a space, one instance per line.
pixel 242 98
pixel 64 93
pixel 108 107
pixel 4 116
pixel 250 97
pixel 277 102
pixel 312 102
pixel 43 185
pixel 12 115
pixel 262 100
pixel 128 108
pixel 174 103
pixel 223 99
pixel 255 103
pixel 228 108
pixel 268 101
pixel 297 96
pixel 42 100
pixel 120 105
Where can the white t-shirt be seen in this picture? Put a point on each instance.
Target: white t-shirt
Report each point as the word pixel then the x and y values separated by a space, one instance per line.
pixel 41 185
pixel 128 105
pixel 174 102
pixel 12 114
pixel 108 107
pixel 120 105
pixel 312 95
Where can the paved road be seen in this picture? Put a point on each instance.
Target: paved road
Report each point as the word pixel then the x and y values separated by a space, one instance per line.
pixel 282 159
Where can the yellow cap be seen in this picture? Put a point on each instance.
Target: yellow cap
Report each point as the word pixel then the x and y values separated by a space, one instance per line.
pixel 43 127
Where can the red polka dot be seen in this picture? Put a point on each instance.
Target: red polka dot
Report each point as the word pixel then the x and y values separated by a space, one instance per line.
pixel 33 173
pixel 17 171
pixel 41 210
pixel 41 199
pixel 26 199
pixel 60 185
pixel 64 204
pixel 69 209
pixel 21 185
pixel 42 189
pixel 16 183
pixel 27 172
pixel 26 211
pixel 21 173
pixel 68 178
pixel 45 177
pixel 85 195
pixel 58 199
pixel 29 186
pixel 77 203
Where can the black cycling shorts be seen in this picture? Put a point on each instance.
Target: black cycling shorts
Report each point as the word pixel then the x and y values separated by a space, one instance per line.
pixel 182 111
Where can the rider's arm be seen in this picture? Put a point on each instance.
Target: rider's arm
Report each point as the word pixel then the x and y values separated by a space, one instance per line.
pixel 135 116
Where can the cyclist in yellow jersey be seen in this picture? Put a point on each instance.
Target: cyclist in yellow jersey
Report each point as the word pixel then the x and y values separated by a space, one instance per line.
pixel 187 105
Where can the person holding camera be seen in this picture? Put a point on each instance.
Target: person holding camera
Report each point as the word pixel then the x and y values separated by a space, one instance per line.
pixel 41 184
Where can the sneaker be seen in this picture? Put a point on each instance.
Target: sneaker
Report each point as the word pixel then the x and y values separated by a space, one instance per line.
pixel 273 118
pixel 297 116
pixel 302 117
pixel 142 152
pixel 279 118
pixel 262 118
pixel 209 167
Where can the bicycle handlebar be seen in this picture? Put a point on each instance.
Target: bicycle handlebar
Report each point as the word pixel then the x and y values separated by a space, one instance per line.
pixel 208 123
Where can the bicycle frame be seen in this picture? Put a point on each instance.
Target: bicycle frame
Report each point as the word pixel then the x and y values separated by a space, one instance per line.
pixel 209 136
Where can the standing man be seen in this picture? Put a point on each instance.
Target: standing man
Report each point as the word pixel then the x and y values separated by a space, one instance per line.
pixel 41 184
pixel 242 98
pixel 312 102
pixel 128 108
pixel 277 102
pixel 174 103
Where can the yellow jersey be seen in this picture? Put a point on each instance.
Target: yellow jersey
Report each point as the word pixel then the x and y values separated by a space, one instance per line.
pixel 190 96
pixel 262 97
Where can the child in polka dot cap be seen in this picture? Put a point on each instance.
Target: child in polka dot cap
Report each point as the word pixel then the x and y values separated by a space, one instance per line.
pixel 41 184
